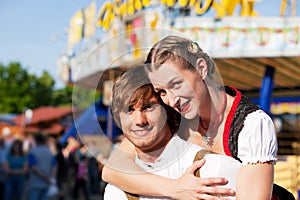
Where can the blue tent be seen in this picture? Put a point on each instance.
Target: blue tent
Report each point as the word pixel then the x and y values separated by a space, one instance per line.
pixel 95 120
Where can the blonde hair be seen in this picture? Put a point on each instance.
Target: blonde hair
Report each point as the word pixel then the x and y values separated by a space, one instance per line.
pixel 181 50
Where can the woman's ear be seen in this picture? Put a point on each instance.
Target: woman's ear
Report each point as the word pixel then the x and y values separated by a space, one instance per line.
pixel 201 66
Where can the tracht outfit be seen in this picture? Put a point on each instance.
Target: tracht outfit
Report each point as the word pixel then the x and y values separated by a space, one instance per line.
pixel 249 134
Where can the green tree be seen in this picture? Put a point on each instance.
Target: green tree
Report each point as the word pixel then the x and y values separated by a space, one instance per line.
pixel 42 90
pixel 63 97
pixel 83 98
pixel 20 90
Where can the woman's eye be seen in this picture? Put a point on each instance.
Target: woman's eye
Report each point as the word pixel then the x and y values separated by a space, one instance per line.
pixel 176 85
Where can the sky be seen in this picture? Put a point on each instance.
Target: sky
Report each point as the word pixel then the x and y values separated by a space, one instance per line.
pixel 34 32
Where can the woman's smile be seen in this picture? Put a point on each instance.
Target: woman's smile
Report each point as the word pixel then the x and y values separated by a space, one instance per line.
pixel 185 106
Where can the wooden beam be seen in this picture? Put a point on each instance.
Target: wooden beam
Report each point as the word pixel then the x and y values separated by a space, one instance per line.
pixel 241 74
pixel 247 65
pixel 290 64
pixel 235 82
pixel 283 71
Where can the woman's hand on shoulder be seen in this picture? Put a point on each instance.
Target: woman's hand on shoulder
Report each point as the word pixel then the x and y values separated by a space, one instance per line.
pixel 190 187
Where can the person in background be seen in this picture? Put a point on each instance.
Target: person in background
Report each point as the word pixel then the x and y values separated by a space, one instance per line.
pixel 61 174
pixel 81 183
pixel 151 127
pixel 72 165
pixel 94 175
pixel 2 172
pixel 221 120
pixel 93 167
pixel 16 167
pixel 42 168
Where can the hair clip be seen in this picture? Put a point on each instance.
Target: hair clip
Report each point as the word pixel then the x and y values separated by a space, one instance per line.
pixel 193 47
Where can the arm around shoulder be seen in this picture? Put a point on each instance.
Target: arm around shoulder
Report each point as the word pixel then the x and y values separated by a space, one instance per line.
pixel 119 161
pixel 122 171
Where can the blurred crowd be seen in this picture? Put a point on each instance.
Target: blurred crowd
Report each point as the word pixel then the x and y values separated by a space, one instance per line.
pixel 39 167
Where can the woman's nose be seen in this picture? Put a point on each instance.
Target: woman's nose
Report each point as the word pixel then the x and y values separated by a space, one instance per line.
pixel 173 100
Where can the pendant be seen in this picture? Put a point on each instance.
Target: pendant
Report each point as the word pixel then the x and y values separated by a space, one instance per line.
pixel 207 139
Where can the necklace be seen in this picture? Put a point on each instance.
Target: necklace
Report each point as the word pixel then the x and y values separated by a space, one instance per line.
pixel 207 137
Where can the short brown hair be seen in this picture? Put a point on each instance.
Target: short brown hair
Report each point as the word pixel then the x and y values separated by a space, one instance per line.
pixel 134 87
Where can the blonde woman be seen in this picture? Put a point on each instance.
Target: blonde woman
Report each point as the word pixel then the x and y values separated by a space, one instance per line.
pixel 220 119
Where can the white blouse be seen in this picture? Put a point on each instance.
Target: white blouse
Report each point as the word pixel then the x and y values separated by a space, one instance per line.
pixel 257 142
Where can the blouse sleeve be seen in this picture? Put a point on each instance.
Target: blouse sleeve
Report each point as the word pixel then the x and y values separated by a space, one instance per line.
pixel 257 141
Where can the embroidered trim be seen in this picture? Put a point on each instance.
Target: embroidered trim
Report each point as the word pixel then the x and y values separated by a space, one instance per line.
pixel 232 91
pixel 241 107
